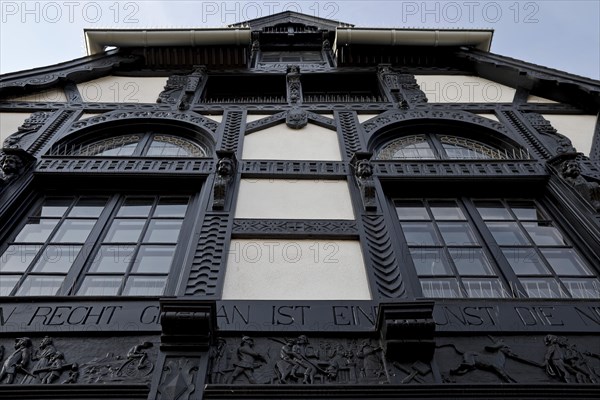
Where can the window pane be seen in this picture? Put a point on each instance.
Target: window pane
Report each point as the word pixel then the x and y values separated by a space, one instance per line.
pixel 544 234
pixel 525 261
pixel 429 262
pixel 7 283
pixel 154 259
pixel 144 286
pixel 493 210
pixel 565 262
pixel 583 288
pixel 484 288
pixel 171 207
pixel 163 231
pixel 542 288
pixel 100 286
pixel 457 233
pixel 40 285
pixel 470 261
pixel 74 231
pixel 56 259
pixel 414 147
pixel 88 208
pixel 55 207
pixel 440 288
pixel 171 146
pixel 125 230
pixel 36 231
pixel 526 211
pixel 446 211
pixel 507 233
pixel 112 258
pixel 136 207
pixel 17 258
pixel 411 211
pixel 420 234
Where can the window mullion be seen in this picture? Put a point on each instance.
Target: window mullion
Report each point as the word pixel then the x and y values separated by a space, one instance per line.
pixel 492 248
pixel 89 249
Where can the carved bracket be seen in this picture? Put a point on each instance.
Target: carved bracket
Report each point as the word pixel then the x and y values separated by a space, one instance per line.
pixel 363 172
pixel 296 118
pixel 570 170
pixel 12 164
pixel 403 88
pixel 187 326
pixel 407 330
pixel 294 87
pixel 31 125
pixel 180 89
pixel 550 136
pixel 226 170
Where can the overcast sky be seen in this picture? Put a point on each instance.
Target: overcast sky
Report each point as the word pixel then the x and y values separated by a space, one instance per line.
pixel 560 34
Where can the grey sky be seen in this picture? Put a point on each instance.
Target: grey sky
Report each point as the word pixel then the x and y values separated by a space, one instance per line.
pixel 560 34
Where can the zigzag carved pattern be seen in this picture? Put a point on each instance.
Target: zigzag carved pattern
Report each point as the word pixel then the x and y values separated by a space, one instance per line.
pixel 43 139
pixel 231 133
pixel 209 255
pixel 349 133
pixel 534 144
pixel 383 258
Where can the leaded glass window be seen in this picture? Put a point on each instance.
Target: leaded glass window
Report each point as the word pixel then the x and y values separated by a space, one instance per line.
pixel 437 146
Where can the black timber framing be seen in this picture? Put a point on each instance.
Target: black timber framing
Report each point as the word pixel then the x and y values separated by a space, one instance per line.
pixel 193 339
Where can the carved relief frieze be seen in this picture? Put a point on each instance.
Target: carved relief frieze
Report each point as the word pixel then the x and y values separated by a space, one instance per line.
pixel 549 358
pixel 294 86
pixel 298 360
pixel 177 381
pixel 69 361
pixel 262 227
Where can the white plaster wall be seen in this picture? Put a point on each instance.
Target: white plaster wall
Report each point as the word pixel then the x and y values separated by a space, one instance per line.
pixel 463 89
pixel 536 99
pixel 293 199
pixel 122 89
pixel 282 143
pixel 255 117
pixel 578 128
pixel 87 115
pixel 364 117
pixel 489 116
pixel 216 118
pixel 295 270
pixel 9 124
pixel 56 95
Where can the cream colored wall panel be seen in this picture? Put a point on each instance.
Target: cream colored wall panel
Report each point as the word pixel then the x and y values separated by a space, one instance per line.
pixel 490 116
pixel 295 270
pixel 463 89
pixel 536 99
pixel 87 115
pixel 9 124
pixel 282 143
pixel 216 118
pixel 578 128
pixel 364 117
pixel 255 117
pixel 122 89
pixel 56 95
pixel 293 199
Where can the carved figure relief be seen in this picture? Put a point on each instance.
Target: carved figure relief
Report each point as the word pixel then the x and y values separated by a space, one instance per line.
pixel 30 125
pixel 226 169
pixel 296 118
pixel 177 381
pixel 363 171
pixel 297 360
pixel 564 361
pixel 17 362
pixel 135 366
pixel 590 191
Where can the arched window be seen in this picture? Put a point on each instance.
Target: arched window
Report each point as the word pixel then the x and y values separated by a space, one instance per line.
pixel 434 146
pixel 149 144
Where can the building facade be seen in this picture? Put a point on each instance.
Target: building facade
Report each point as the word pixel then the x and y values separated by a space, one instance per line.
pixel 296 207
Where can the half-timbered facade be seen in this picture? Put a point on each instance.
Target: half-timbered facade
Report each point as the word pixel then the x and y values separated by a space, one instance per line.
pixel 294 207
